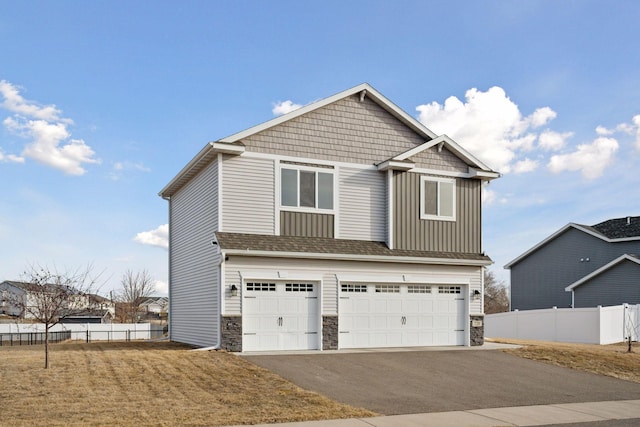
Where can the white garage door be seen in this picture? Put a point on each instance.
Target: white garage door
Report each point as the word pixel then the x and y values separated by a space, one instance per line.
pixel 401 315
pixel 279 316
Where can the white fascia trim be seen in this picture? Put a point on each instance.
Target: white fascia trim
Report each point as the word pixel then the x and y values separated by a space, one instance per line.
pixel 370 93
pixel 279 157
pixel 225 148
pixel 451 145
pixel 279 275
pixel 602 269
pixel 562 230
pixel 396 165
pixel 483 175
pixel 402 278
pixel 390 219
pixel 349 257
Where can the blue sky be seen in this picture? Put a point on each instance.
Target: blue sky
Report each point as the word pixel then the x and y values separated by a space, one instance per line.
pixel 102 103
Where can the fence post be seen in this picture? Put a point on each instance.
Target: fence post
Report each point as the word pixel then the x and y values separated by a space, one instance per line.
pixel 87 335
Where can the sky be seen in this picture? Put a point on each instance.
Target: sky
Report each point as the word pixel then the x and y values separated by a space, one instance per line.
pixel 103 102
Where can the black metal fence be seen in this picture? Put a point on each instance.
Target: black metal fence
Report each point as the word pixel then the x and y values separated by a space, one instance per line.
pixel 34 338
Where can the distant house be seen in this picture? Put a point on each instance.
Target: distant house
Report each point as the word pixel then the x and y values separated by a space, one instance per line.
pixel 343 224
pixel 580 266
pixel 155 305
pixel 15 296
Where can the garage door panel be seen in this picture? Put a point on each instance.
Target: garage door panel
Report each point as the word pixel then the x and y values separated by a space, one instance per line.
pixel 280 316
pixel 401 315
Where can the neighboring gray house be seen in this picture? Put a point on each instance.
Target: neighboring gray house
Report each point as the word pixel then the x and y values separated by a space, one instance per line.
pixel 580 266
pixel 343 224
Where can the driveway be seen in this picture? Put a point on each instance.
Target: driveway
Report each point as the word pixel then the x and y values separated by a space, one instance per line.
pixel 391 383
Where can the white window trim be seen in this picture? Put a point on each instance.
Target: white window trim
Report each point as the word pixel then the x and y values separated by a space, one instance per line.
pixel 298 208
pixel 438 217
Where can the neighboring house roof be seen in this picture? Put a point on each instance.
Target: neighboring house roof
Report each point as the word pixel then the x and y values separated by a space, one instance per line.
pixel 29 287
pixel 622 258
pixel 233 144
pixel 611 231
pixel 328 248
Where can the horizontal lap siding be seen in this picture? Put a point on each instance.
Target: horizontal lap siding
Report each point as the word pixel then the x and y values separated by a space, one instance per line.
pixel 618 285
pixel 331 270
pixel 411 232
pixel 194 284
pixel 248 197
pixel 362 204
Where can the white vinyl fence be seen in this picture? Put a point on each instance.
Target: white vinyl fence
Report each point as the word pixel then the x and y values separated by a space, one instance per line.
pixel 87 332
pixel 597 325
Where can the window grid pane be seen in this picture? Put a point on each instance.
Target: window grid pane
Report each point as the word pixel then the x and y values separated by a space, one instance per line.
pixel 325 190
pixel 446 199
pixel 289 187
pixel 430 198
pixel 308 189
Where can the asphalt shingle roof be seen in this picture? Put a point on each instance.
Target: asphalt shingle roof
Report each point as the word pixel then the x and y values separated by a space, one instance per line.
pixel 258 242
pixel 619 228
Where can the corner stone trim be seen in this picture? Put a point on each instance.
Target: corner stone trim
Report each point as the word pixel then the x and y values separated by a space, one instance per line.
pixel 476 333
pixel 231 336
pixel 329 332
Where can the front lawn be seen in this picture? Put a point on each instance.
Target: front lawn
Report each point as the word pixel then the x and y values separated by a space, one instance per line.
pixel 154 384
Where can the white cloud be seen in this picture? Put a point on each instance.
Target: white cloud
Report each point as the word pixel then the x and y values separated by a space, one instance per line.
pixel 488 196
pixel 48 132
pixel 158 237
pixel 488 124
pixel 636 121
pixel 161 287
pixel 553 141
pixel 526 165
pixel 284 107
pixel 603 131
pixel 6 158
pixel 119 168
pixel 590 159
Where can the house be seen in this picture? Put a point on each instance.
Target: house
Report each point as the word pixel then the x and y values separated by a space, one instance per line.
pixel 17 299
pixel 155 305
pixel 580 266
pixel 343 224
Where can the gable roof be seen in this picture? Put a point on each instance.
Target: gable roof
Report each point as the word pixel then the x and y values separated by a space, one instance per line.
pixel 329 248
pixel 611 231
pixel 625 257
pixel 232 144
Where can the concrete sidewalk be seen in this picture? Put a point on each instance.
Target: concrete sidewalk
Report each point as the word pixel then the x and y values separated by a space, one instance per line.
pixel 536 415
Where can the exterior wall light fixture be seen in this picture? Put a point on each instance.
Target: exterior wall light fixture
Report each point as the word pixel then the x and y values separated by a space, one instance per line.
pixel 234 291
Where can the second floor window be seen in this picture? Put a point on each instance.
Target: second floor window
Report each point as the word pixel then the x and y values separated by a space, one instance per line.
pixel 437 198
pixel 306 188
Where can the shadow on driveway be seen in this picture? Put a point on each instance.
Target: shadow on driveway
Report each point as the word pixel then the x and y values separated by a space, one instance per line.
pixel 411 382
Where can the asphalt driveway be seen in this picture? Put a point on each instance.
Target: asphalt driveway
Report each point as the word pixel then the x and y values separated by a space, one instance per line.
pixel 410 382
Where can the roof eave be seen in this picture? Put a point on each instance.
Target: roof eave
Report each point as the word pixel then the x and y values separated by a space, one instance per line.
pixel 355 257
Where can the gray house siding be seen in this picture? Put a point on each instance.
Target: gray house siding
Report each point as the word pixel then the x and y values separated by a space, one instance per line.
pixel 443 160
pixel 618 285
pixel 538 281
pixel 346 131
pixel 411 232
pixel 194 276
pixel 305 224
pixel 363 204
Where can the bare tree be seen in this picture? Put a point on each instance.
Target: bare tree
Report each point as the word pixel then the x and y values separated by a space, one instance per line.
pixel 51 296
pixel 135 287
pixel 496 298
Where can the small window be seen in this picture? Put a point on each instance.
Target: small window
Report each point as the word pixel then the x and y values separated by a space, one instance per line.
pixel 298 287
pixel 449 289
pixel 353 288
pixel 388 289
pixel 419 289
pixel 437 198
pixel 261 287
pixel 306 188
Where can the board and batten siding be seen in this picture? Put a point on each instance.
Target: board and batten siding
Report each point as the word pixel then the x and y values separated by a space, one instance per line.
pixel 248 197
pixel 363 204
pixel 347 131
pixel 194 267
pixel 304 224
pixel 410 232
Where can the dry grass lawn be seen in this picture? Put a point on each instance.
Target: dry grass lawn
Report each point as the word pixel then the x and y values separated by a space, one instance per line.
pixel 159 384
pixel 610 360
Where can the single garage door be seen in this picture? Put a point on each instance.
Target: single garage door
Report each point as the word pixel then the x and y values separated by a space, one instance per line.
pixel 401 315
pixel 280 316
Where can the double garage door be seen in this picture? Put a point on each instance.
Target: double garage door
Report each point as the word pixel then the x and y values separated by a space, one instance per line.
pixel 286 316
pixel 401 315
